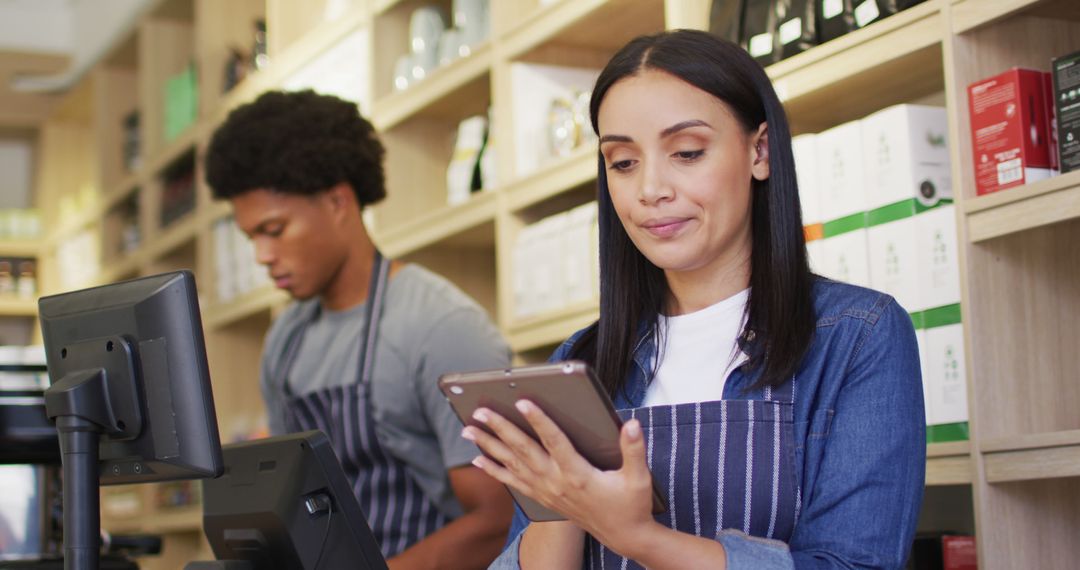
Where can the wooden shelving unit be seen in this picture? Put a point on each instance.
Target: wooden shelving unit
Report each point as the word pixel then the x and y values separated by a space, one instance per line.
pixel 1019 256
pixel 1016 210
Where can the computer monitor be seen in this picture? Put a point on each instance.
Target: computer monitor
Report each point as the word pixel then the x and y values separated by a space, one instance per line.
pixel 284 503
pixel 127 366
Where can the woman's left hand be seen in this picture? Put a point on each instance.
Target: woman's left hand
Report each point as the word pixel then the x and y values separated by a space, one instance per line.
pixel 615 507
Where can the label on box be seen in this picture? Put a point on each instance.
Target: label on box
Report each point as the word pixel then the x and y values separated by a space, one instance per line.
pixel 1066 72
pixel 831 8
pixel 790 31
pixel 866 12
pixel 761 44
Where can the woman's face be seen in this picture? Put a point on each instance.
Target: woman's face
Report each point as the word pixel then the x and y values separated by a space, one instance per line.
pixel 679 169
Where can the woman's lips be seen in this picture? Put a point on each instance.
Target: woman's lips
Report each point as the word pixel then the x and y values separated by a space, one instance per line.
pixel 282 282
pixel 665 227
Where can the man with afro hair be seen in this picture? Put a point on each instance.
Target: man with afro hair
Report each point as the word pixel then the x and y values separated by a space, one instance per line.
pixel 359 352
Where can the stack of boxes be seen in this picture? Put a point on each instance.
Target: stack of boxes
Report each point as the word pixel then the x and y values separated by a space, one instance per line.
pixel 551 268
pixel 877 205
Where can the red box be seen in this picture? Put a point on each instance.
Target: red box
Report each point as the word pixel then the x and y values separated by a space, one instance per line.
pixel 958 552
pixel 1009 130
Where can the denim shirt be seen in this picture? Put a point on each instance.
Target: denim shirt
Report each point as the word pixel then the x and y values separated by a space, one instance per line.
pixel 860 452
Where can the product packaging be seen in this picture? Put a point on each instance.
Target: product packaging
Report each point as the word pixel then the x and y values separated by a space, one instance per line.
pixel 797 26
pixel 1009 130
pixel 1066 93
pixel 944 373
pixel 758 35
pixel 834 18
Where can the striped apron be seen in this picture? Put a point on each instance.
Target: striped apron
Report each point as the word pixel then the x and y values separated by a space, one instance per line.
pixel 397 510
pixel 727 464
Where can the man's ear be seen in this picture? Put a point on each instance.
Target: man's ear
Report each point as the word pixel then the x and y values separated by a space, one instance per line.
pixel 341 199
pixel 759 142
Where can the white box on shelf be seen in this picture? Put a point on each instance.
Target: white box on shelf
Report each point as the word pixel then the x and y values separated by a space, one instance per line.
pixel 924 358
pixel 547 275
pixel 906 155
pixel 840 172
pixel 577 254
pixel 225 275
pixel 535 87
pixel 815 254
pixel 804 147
pixel 947 380
pixel 939 261
pixel 521 270
pixel 845 258
pixel 337 71
pixel 895 262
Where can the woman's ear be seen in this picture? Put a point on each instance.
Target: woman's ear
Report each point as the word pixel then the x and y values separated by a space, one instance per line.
pixel 759 142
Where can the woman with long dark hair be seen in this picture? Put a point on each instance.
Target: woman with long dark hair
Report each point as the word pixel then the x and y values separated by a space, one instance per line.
pixel 779 412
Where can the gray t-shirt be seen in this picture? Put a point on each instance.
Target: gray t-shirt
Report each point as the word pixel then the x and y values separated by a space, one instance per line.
pixel 428 327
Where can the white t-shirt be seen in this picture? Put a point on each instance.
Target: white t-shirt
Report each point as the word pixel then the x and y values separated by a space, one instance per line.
pixel 697 354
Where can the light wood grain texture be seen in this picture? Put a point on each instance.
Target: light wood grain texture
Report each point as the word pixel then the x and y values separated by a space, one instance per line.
pixel 12 306
pixel 1030 524
pixel 1031 441
pixel 892 61
pixel 969 15
pixel 417 155
pixel 20 248
pixel 1014 210
pixel 576 23
pixel 220 28
pixel 1028 464
pixel 458 90
pixel 550 329
pixel 1022 310
pixel 448 224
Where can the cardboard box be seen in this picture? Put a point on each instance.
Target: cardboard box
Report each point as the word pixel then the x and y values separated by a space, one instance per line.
pixel 1052 125
pixel 895 269
pixel 946 379
pixel 840 172
pixel 577 261
pixel 845 257
pixel 920 340
pixel 1009 130
pixel 938 258
pixel 1066 82
pixel 804 148
pixel 906 156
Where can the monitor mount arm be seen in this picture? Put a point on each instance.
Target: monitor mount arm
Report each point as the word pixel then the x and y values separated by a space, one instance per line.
pixel 97 394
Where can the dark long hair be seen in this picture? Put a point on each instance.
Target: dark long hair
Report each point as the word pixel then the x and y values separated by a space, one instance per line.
pixel 779 314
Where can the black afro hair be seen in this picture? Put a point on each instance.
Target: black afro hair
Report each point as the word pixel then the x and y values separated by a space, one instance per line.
pixel 298 143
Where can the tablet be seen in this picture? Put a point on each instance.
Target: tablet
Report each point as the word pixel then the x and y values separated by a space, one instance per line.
pixel 567 392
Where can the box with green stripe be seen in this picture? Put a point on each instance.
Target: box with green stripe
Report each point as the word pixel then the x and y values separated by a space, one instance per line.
pixel 941 352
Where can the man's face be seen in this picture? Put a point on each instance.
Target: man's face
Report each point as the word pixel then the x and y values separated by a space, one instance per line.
pixel 298 238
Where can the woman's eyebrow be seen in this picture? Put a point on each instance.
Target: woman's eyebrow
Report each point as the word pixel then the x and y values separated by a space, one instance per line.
pixel 682 126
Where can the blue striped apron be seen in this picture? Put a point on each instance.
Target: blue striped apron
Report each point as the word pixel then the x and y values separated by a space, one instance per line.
pixel 726 464
pixel 397 510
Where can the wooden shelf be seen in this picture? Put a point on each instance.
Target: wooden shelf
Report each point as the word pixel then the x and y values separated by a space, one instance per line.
pixel 446 93
pixel 578 24
pixel 554 179
pixel 20 248
pixel 1014 210
pixel 948 463
pixel 1030 457
pixel 221 315
pixel 11 306
pixel 545 330
pixel 176 234
pixel 892 61
pixel 968 15
pixel 439 225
